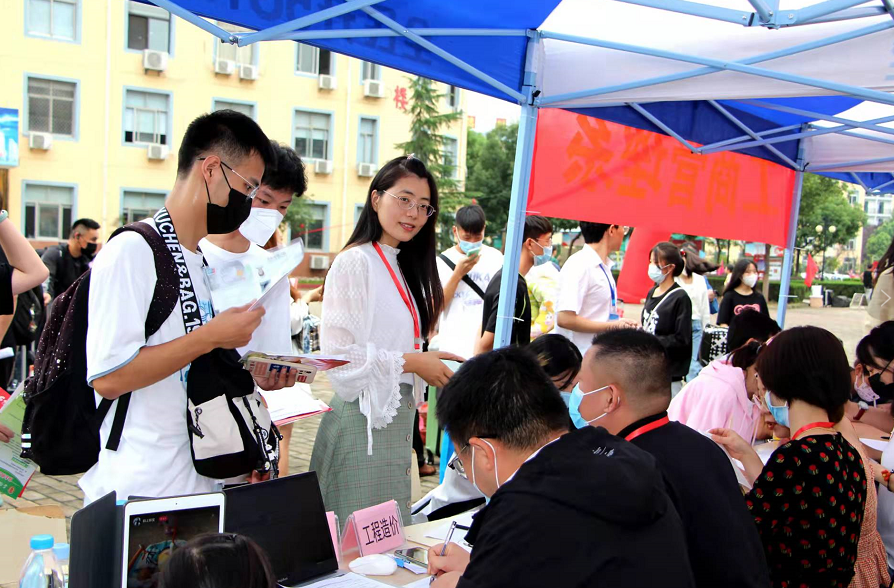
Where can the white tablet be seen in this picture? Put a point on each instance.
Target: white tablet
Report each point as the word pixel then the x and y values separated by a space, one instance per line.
pixel 154 529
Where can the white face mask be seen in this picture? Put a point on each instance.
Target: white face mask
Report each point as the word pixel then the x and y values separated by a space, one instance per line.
pixel 749 280
pixel 260 225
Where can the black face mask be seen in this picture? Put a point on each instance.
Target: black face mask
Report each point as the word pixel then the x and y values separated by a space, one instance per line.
pixel 885 391
pixel 89 250
pixel 226 219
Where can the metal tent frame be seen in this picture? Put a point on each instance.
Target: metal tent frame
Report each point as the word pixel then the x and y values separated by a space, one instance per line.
pixel 766 14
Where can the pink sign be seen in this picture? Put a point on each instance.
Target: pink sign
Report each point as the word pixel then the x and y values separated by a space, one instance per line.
pixel 333 532
pixel 376 529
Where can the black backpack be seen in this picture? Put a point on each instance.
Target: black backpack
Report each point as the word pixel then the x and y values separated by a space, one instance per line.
pixel 28 318
pixel 60 431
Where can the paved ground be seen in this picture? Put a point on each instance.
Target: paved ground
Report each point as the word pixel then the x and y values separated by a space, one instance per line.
pixel 64 491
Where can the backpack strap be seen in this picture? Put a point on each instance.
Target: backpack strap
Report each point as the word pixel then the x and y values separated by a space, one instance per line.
pixel 164 299
pixel 469 282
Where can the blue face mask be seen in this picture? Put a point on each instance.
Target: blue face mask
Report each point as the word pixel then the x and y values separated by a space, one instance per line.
pixel 545 256
pixel 469 247
pixel 577 396
pixel 566 398
pixel 779 413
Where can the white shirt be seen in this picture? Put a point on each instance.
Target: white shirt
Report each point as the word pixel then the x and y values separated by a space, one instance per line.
pixel 461 319
pixel 585 288
pixel 154 456
pixel 273 336
pixel 365 319
pixel 698 294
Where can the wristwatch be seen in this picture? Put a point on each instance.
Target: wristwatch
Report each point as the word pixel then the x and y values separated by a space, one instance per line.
pixel 3 215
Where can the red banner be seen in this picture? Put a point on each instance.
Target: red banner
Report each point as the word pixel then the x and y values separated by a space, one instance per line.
pixel 634 281
pixel 594 170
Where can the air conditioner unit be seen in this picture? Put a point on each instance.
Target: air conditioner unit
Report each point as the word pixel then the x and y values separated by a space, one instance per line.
pixel 373 89
pixel 323 166
pixel 366 170
pixel 155 60
pixel 156 151
pixel 248 72
pixel 327 82
pixel 224 67
pixel 319 262
pixel 41 141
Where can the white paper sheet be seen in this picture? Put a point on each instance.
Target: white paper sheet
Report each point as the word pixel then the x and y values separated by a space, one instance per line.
pixel 876 444
pixel 459 535
pixel 349 580
pixel 290 404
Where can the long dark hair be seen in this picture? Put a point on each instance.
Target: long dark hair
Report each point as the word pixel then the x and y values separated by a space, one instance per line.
pixel 886 262
pixel 694 263
pixel 738 271
pixel 417 256
pixel 219 561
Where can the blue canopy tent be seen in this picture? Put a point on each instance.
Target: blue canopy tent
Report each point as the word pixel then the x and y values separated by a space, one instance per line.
pixel 804 85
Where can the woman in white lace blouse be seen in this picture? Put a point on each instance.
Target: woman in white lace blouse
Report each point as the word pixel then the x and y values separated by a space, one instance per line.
pixel 382 298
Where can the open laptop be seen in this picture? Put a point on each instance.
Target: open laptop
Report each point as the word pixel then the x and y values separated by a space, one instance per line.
pixel 286 517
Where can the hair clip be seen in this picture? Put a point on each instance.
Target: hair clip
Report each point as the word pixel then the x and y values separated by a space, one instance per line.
pixel 412 156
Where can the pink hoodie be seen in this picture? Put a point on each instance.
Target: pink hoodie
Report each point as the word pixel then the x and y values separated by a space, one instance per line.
pixel 716 398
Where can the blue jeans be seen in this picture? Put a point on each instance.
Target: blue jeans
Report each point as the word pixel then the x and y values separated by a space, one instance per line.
pixel 694 366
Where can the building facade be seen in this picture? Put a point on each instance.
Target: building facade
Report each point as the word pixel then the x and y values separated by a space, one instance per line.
pixel 105 89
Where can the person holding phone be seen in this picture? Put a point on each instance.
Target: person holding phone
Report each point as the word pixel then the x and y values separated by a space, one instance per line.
pixel 382 299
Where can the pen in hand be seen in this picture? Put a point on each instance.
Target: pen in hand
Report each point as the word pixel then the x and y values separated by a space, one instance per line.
pixel 444 548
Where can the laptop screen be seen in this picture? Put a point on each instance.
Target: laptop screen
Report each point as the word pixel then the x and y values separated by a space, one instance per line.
pixel 287 518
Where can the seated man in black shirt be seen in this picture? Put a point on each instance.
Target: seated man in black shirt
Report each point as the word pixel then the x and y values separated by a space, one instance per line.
pixel 537 249
pixel 626 387
pixel 567 509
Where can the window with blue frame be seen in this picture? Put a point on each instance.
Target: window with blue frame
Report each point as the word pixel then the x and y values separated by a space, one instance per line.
pixel 371 71
pixel 51 106
pixel 313 231
pixel 313 60
pixel 146 117
pixel 47 211
pixel 148 27
pixel 312 134
pixel 239 55
pixel 54 19
pixel 246 109
pixel 451 156
pixel 367 140
pixel 136 206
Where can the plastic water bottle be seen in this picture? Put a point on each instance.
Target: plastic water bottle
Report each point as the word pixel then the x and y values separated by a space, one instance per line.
pixel 41 568
pixel 62 551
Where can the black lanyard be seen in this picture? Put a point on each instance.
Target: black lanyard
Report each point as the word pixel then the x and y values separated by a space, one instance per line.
pixel 189 302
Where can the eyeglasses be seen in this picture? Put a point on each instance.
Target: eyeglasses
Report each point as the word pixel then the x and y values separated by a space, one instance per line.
pixel 409 204
pixel 456 464
pixel 253 191
pixel 624 228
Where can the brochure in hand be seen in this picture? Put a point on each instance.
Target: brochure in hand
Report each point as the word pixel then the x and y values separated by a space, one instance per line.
pixel 261 364
pixel 237 283
pixel 15 472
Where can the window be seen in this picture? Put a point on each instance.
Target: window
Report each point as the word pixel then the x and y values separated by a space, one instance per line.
pixel 451 155
pixel 358 208
pixel 148 27
pixel 246 109
pixel 145 117
pixel 367 151
pixel 137 206
pixel 312 134
pixel 48 211
pixel 453 97
pixel 852 244
pixel 866 205
pixel 56 19
pixel 370 71
pixel 241 55
pixel 51 106
pixel 312 60
pixel 313 234
pixel 881 207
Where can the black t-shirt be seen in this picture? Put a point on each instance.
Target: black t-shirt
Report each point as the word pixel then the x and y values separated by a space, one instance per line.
pixel 867 279
pixel 724 546
pixel 669 317
pixel 734 303
pixel 6 301
pixel 521 325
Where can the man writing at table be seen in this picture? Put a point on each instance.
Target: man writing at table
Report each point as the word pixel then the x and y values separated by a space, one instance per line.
pixel 580 508
pixel 624 387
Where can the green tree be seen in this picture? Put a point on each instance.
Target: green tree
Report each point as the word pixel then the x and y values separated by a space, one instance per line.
pixel 879 242
pixel 824 202
pixel 299 216
pixel 426 143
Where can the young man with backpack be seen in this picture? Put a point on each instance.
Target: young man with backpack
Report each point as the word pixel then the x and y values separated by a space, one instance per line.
pixel 67 261
pixel 221 160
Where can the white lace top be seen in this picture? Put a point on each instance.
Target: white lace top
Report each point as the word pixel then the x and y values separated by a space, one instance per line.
pixel 365 319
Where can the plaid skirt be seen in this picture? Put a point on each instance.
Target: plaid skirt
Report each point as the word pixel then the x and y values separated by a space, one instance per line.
pixel 349 478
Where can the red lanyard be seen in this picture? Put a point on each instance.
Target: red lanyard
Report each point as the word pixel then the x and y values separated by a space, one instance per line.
pixel 417 339
pixel 646 428
pixel 808 426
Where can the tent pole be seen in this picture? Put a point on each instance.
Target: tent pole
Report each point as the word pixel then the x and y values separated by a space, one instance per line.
pixel 786 276
pixel 518 203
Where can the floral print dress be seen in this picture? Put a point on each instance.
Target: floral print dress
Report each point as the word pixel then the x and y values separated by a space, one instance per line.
pixel 808 507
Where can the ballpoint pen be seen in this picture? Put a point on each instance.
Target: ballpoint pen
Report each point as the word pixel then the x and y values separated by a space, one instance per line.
pixel 444 549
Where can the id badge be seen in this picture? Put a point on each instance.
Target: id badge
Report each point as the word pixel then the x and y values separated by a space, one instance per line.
pixel 613 314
